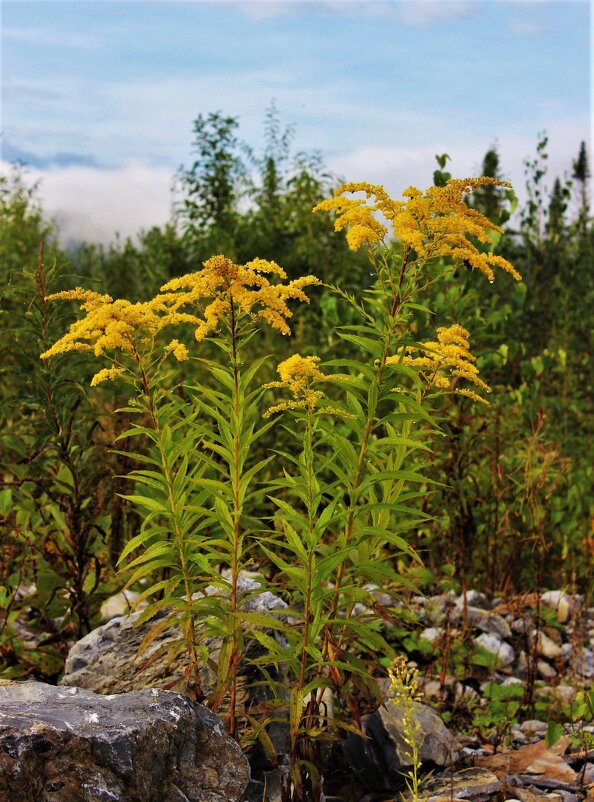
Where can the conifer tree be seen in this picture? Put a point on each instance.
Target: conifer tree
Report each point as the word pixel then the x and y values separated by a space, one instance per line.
pixel 581 173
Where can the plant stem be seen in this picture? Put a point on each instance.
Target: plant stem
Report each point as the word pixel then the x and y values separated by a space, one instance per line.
pixel 236 544
pixel 189 628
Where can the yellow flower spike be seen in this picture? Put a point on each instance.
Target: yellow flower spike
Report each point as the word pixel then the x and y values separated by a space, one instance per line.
pixel 298 374
pixel 446 360
pixel 433 224
pixel 107 374
pixel 179 350
pixel 247 287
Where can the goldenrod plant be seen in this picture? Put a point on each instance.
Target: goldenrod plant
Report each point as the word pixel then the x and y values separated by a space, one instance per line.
pixel 346 492
pixel 405 693
pixel 350 498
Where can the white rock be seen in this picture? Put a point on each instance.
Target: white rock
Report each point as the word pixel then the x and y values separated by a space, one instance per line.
pixel 533 727
pixel 431 634
pixel 545 670
pixel 498 647
pixel 120 604
pixel 546 647
pixel 563 603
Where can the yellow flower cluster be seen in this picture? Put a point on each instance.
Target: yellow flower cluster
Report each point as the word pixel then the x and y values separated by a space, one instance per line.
pixel 298 374
pixel 446 361
pixel 107 374
pixel 434 224
pixel 111 325
pixel 120 325
pixel 356 215
pixel 404 682
pixel 179 350
pixel 114 326
pixel 243 287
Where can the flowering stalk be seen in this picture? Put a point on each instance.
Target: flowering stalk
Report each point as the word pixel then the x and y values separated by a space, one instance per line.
pixel 304 526
pixel 238 295
pixel 405 693
pixel 184 502
pixel 432 229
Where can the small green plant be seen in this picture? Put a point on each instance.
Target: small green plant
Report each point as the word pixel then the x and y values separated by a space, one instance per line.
pixel 404 692
pixel 573 721
pixel 500 709
pixel 55 483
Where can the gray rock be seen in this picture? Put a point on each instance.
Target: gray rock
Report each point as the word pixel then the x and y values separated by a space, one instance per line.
pixel 442 607
pixel 588 774
pixel 567 651
pixel 533 728
pixel 474 598
pixel 488 622
pixel 521 626
pixel 498 647
pixel 383 755
pixel 585 666
pixel 70 745
pixel 105 661
pixel 568 796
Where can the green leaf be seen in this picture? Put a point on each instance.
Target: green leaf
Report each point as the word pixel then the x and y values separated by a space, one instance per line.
pixel 147 502
pixel 372 347
pixel 5 501
pixel 554 732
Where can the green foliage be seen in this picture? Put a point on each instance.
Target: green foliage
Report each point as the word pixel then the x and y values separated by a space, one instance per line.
pixel 55 484
pixel 133 270
pixel 212 186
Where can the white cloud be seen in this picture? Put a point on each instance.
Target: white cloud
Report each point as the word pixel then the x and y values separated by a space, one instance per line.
pixel 92 204
pixel 411 12
pixel 264 9
pixel 434 12
pixel 53 36
pixel 526 27
pixel 397 168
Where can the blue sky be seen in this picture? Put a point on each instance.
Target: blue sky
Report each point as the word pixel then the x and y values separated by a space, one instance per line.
pixel 99 97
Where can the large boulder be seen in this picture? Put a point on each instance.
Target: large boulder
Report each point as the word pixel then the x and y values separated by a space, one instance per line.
pixel 71 745
pixel 107 660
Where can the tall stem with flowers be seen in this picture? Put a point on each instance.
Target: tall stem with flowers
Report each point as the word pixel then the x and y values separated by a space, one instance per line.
pixel 194 500
pixel 366 489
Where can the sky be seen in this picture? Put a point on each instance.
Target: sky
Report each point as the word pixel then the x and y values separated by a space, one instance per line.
pixel 98 98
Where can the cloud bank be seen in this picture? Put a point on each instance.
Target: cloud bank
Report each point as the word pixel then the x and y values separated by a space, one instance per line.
pixel 93 204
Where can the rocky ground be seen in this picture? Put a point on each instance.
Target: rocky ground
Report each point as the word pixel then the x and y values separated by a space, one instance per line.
pixel 507 710
pixel 513 679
